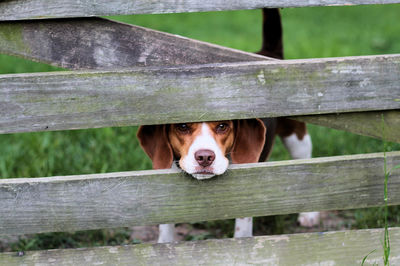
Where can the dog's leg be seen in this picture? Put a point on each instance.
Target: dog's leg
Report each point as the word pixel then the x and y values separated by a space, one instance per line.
pixel 309 219
pixel 166 233
pixel 299 146
pixel 243 227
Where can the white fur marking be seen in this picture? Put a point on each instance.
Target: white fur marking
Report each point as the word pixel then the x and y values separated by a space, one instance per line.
pixel 166 233
pixel 309 219
pixel 298 149
pixel 204 140
pixel 202 176
pixel 243 227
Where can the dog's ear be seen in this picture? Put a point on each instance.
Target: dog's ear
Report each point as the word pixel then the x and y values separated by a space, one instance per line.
pixel 154 142
pixel 249 141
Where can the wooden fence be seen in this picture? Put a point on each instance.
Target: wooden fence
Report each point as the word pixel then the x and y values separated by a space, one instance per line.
pixel 118 79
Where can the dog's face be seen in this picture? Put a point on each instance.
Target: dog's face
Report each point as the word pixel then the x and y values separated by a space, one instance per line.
pixel 202 148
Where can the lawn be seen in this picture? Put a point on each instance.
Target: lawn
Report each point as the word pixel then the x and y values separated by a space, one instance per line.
pixel 308 33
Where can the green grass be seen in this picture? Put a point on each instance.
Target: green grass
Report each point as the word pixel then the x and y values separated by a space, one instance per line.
pixel 11 64
pixel 341 31
pixel 71 152
pixel 308 33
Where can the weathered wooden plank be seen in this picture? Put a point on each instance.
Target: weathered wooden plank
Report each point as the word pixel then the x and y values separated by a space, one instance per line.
pixel 38 9
pixel 330 248
pixel 157 95
pixel 367 123
pixel 95 43
pixel 34 205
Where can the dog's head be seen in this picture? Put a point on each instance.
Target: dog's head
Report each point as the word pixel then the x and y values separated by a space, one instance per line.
pixel 202 148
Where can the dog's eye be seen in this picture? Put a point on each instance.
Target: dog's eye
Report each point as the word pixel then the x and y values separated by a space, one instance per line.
pixel 222 128
pixel 182 128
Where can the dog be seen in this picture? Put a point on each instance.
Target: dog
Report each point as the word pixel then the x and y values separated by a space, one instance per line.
pixel 205 149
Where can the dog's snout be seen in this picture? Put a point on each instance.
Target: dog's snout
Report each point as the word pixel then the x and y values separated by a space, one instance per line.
pixel 204 157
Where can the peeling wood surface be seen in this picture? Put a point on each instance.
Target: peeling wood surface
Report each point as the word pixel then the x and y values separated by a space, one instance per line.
pixel 38 9
pixel 95 43
pixel 331 248
pixel 157 95
pixel 367 123
pixel 34 205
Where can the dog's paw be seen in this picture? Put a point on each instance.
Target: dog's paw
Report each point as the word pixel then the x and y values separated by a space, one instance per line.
pixel 243 227
pixel 166 233
pixel 309 219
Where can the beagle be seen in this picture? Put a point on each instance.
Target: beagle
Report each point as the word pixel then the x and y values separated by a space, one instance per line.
pixel 205 149
pixel 202 149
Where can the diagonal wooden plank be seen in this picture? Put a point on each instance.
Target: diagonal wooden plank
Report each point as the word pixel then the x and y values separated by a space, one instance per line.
pixel 330 248
pixel 95 43
pixel 38 9
pixel 157 95
pixel 69 203
pixel 366 123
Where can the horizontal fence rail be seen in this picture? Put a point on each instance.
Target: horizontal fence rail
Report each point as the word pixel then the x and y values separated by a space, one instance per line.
pixel 381 125
pixel 157 95
pixel 95 43
pixel 70 43
pixel 34 205
pixel 38 9
pixel 331 248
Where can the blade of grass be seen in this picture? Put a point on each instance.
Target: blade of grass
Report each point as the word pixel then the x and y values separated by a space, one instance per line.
pixel 386 240
pixel 365 258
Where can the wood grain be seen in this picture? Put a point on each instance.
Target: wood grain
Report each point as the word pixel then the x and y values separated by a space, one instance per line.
pixel 34 205
pixel 331 248
pixel 39 9
pixel 367 123
pixel 158 95
pixel 95 43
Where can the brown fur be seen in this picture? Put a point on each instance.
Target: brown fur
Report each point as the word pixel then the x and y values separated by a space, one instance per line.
pixel 180 141
pixel 224 139
pixel 243 139
pixel 155 143
pixel 249 141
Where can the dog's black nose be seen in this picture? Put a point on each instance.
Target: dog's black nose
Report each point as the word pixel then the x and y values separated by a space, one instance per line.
pixel 204 157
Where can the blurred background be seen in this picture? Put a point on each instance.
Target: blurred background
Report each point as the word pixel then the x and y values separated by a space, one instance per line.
pixel 308 33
